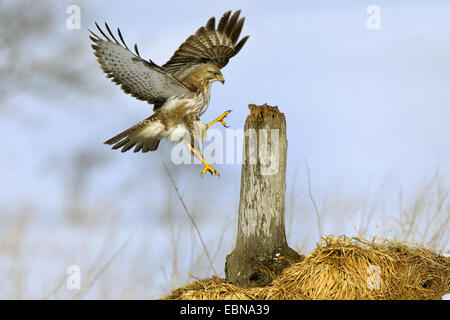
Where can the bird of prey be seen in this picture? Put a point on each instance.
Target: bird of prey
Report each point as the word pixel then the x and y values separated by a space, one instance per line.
pixel 179 89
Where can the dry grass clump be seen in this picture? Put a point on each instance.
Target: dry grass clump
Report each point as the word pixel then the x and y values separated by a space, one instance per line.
pixel 216 288
pixel 354 268
pixel 344 268
pixel 213 288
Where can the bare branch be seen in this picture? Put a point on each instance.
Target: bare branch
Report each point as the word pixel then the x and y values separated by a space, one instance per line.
pixel 316 209
pixel 190 218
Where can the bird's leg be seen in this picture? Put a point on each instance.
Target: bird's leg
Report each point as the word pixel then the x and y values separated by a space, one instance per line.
pixel 207 168
pixel 220 119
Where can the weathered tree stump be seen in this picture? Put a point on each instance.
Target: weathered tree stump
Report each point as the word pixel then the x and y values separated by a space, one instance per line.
pixel 261 251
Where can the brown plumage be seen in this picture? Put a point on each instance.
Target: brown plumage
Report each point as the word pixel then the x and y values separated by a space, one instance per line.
pixel 209 44
pixel 179 90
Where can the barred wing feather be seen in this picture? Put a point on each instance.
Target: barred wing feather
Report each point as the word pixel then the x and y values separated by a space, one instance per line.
pixel 209 44
pixel 142 79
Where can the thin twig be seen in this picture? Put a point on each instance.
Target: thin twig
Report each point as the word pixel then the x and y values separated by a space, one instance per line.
pixel 292 199
pixel 173 241
pixel 55 291
pixel 105 266
pixel 190 218
pixel 312 199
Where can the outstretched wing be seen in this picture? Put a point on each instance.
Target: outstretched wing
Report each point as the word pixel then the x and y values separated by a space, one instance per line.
pixel 209 44
pixel 142 79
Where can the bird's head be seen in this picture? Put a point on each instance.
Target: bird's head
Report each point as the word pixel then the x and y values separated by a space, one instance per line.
pixel 203 75
pixel 219 77
pixel 212 73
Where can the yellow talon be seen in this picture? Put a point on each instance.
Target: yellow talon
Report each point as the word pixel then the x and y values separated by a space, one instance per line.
pixel 210 169
pixel 220 119
pixel 199 156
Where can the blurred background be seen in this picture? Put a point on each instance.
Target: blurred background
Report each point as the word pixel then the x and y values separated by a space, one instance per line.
pixel 367 109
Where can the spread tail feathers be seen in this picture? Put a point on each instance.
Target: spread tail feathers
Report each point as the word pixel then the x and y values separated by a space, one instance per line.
pixel 143 136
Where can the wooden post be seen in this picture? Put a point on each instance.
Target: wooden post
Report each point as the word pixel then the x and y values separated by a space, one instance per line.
pixel 261 251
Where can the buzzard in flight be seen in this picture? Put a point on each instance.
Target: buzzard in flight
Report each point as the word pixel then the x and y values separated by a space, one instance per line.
pixel 179 90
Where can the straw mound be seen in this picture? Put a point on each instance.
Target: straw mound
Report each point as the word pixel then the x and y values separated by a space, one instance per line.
pixel 343 268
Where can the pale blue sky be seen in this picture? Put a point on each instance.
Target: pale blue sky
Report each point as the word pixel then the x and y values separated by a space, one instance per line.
pixel 361 105
pixel 364 107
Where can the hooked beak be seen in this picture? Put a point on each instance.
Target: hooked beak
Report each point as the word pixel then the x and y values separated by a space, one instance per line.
pixel 220 78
